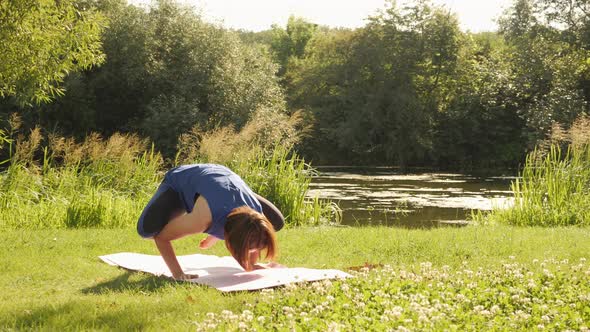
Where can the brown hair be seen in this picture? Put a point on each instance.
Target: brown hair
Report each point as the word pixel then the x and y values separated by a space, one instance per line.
pixel 247 229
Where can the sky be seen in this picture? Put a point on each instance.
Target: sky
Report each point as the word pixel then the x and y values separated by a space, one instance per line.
pixel 257 15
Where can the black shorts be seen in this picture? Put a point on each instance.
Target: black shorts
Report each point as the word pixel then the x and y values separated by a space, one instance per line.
pixel 162 206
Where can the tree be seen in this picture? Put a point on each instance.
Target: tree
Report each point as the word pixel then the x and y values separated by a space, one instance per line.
pixel 290 42
pixel 374 92
pixel 167 70
pixel 41 41
pixel 548 66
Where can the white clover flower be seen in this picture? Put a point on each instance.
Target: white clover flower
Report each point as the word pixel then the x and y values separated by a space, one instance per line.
pixel 583 259
pixel 511 257
pixel 548 273
pixel 426 265
pixel 521 315
pixel 334 327
pixel 261 319
pixel 540 326
pixel 460 297
pixel 546 318
pixel 210 315
pixel 485 313
pixel 242 326
pixel 247 316
pixel 535 261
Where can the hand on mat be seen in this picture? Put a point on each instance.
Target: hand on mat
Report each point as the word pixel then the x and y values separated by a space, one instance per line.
pixel 271 265
pixel 208 242
pixel 184 277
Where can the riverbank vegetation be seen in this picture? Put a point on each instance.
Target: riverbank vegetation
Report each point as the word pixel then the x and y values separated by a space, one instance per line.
pixel 57 182
pixel 455 278
pixel 407 89
pixel 554 187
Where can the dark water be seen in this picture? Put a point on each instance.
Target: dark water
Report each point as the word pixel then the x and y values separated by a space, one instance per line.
pixel 385 196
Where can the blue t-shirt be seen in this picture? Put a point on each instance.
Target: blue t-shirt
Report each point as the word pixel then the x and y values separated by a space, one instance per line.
pixel 223 189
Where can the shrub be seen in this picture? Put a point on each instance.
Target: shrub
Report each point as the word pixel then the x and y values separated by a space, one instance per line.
pixel 554 188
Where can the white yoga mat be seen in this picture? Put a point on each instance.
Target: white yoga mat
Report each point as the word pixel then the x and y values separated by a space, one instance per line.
pixel 223 273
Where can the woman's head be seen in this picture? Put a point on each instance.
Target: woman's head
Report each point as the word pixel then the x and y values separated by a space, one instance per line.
pixel 247 233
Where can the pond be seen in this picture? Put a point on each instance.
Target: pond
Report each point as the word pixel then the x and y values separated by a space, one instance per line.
pixel 413 199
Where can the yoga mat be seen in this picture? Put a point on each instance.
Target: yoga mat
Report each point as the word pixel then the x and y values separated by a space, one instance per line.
pixel 223 273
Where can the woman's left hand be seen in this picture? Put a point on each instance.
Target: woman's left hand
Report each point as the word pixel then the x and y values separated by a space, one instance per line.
pixel 271 265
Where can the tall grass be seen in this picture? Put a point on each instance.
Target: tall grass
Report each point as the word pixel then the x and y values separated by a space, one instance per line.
pixel 63 184
pixel 554 188
pixel 55 182
pixel 261 154
pixel 283 178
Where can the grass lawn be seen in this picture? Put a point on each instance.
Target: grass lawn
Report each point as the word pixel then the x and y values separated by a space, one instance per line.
pixel 473 278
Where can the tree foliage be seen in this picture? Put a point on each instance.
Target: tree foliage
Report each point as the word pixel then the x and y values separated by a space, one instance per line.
pixel 166 71
pixel 41 42
pixel 408 88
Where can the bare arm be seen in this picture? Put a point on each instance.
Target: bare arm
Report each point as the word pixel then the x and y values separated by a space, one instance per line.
pixel 167 252
pixel 195 222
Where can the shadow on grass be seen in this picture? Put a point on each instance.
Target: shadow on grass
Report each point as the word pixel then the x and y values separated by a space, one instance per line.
pixel 147 283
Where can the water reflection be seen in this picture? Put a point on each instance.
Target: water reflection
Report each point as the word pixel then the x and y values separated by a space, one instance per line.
pixel 416 199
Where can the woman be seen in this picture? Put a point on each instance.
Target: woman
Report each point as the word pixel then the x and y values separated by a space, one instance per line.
pixel 208 198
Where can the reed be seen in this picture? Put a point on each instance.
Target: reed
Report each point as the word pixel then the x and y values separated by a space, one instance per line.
pixel 261 153
pixel 55 182
pixel 283 178
pixel 553 190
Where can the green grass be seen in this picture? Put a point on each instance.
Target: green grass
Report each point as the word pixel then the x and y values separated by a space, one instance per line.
pixel 554 190
pixel 53 280
pixel 105 183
